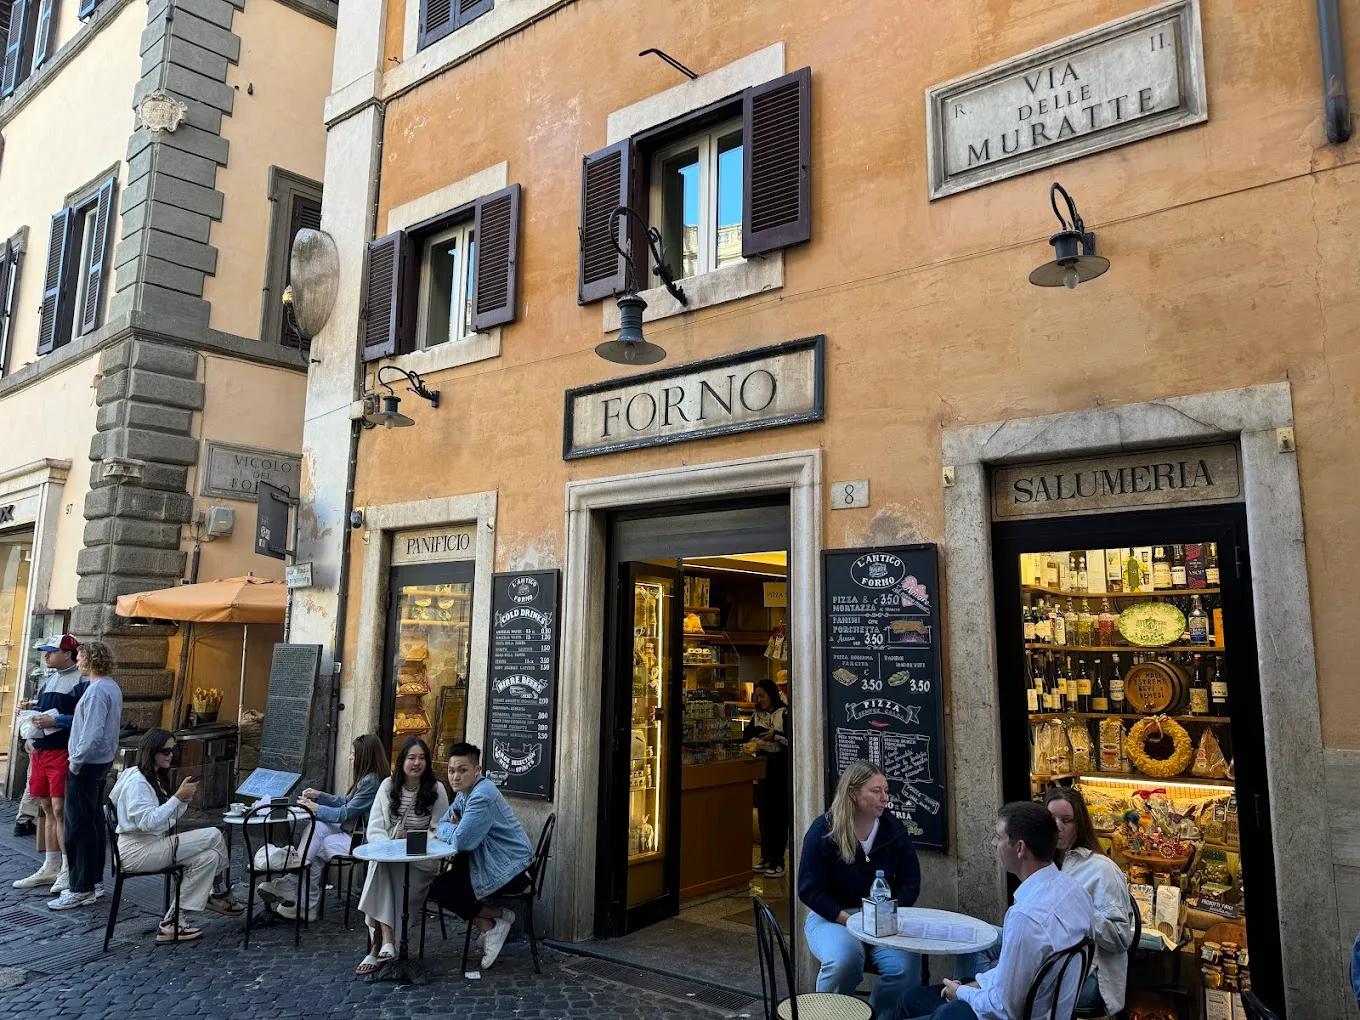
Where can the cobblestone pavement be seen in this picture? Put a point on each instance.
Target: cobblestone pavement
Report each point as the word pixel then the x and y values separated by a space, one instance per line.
pixel 51 965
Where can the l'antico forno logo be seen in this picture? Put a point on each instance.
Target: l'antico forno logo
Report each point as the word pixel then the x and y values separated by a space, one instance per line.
pixel 878 571
pixel 523 590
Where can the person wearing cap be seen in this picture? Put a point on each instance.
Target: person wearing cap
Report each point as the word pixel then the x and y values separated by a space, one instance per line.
pixel 47 768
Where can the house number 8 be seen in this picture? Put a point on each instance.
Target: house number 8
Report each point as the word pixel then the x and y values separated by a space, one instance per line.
pixel 845 495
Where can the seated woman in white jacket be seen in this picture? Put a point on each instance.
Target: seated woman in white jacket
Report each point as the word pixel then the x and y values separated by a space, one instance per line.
pixel 147 840
pixel 409 801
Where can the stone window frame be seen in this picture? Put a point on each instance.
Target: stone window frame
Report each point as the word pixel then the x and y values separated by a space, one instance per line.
pixel 284 186
pixel 727 283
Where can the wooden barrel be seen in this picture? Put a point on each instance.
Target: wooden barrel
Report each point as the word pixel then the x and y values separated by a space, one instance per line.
pixel 1156 686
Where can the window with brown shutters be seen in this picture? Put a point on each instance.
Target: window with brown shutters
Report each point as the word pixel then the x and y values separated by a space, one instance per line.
pixel 54 316
pixel 93 269
pixel 440 17
pixel 305 214
pixel 606 180
pixel 18 56
pixel 385 311
pixel 496 228
pixel 776 119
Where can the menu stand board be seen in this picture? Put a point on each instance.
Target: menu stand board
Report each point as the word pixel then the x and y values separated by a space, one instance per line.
pixel 521 705
pixel 884 703
pixel 266 784
pixel 288 712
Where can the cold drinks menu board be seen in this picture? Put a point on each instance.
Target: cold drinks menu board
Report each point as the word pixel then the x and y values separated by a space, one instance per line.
pixel 882 635
pixel 522 702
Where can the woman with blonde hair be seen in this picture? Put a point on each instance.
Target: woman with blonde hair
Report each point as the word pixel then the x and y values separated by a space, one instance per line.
pixel 842 852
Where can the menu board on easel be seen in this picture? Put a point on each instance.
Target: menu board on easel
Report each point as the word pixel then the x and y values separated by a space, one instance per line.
pixel 882 678
pixel 288 711
pixel 522 700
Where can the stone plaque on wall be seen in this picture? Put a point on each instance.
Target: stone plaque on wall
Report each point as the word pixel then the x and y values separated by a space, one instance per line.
pixel 777 385
pixel 435 545
pixel 1187 477
pixel 232 472
pixel 1127 80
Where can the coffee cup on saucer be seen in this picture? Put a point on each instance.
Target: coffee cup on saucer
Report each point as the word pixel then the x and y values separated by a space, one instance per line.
pixel 236 808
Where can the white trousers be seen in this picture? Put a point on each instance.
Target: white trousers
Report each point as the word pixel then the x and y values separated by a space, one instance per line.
pixel 381 900
pixel 203 852
pixel 327 841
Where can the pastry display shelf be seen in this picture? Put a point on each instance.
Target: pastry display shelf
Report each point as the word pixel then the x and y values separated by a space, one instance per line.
pixel 1156 593
pixel 1036 646
pixel 1221 720
pixel 703 609
pixel 1095 777
pixel 650 855
pixel 434 593
pixel 406 622
pixel 731 637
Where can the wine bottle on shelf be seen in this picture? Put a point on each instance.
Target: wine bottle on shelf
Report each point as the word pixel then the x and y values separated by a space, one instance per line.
pixel 1083 687
pixel 1178 574
pixel 1218 689
pixel 1114 571
pixel 1133 572
pixel 1194 565
pixel 1057 624
pixel 1100 697
pixel 1081 581
pixel 1070 625
pixel 1145 567
pixel 1072 696
pixel 1086 624
pixel 1051 575
pixel 1031 692
pixel 1211 575
pixel 1161 568
pixel 1117 704
pixel 1198 623
pixel 1027 622
pixel 1199 690
pixel 1053 700
pixel 1043 624
pixel 1106 624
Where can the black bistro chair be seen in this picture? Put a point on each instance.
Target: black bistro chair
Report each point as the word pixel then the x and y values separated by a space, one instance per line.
pixel 538 867
pixel 344 865
pixel 1095 1012
pixel 1059 965
pixel 121 874
pixel 808 1006
pixel 272 820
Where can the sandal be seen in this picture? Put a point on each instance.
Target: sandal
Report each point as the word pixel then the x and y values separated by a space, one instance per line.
pixel 166 933
pixel 367 966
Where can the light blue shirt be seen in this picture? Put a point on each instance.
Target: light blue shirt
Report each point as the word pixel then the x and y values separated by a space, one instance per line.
pixel 95 725
pixel 489 833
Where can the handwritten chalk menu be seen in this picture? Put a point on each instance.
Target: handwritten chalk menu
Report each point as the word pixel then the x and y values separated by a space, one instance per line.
pixel 288 712
pixel 884 704
pixel 268 783
pixel 522 701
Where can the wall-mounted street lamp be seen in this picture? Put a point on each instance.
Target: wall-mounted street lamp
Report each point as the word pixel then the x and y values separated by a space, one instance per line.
pixel 1074 248
pixel 386 407
pixel 630 347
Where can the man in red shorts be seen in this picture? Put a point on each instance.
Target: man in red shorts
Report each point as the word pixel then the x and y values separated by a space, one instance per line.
pixel 47 764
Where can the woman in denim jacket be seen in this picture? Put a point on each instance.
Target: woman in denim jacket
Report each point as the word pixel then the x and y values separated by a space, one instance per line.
pixel 336 816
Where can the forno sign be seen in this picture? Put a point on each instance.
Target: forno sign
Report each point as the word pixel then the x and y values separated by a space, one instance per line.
pixel 761 388
pixel 1130 79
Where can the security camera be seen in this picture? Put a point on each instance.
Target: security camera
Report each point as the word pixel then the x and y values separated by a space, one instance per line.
pixel 356 518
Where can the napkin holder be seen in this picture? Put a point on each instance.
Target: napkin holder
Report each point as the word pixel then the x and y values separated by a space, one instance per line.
pixel 879 918
pixel 417 843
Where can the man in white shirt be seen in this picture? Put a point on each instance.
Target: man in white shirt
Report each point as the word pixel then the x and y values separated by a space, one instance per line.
pixel 1050 912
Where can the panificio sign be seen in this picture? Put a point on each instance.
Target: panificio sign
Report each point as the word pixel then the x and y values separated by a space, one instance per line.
pixel 777 385
pixel 1127 80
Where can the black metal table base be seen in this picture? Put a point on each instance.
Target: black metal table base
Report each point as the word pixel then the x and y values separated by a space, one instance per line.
pixel 400 971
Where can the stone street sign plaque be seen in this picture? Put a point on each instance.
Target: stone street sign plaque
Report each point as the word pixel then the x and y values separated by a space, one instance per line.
pixel 232 472
pixel 761 388
pixel 1127 80
pixel 1189 477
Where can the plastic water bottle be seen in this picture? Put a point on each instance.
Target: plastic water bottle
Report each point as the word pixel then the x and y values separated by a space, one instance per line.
pixel 879 891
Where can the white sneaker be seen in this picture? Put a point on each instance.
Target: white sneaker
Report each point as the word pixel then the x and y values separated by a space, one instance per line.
pixel 99 890
pixel 290 911
pixel 274 889
pixel 494 941
pixel 42 877
pixel 62 883
pixel 70 899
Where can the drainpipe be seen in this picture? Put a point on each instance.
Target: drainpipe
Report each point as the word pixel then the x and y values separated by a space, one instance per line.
pixel 1336 101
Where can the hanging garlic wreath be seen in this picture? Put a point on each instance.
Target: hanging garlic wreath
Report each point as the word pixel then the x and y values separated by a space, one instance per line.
pixel 1160 726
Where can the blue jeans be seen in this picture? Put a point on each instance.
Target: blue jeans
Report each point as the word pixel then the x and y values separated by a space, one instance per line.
pixel 842 959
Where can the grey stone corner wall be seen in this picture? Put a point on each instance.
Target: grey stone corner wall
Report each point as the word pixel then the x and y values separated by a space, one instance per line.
pixel 140 457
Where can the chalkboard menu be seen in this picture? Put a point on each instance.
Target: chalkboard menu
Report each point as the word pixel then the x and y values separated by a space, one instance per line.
pixel 522 701
pixel 884 704
pixel 288 713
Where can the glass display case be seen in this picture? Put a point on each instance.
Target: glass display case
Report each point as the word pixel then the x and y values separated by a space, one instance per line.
pixel 647 756
pixel 428 681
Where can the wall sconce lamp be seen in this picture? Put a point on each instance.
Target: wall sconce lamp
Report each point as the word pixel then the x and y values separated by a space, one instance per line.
pixel 386 407
pixel 630 347
pixel 1074 249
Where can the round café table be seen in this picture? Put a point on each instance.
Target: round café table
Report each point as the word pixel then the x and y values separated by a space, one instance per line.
pixel 393 851
pixel 944 932
pixel 232 822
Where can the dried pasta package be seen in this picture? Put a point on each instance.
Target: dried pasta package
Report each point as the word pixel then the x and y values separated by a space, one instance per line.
pixel 1111 746
pixel 1054 749
pixel 1079 737
pixel 1209 760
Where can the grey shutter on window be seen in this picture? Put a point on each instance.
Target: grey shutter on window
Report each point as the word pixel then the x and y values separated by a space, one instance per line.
pixel 606 179
pixel 304 215
pixel 385 308
pixel 436 21
pixel 87 8
pixel 470 10
pixel 18 47
pixel 496 230
pixel 54 322
pixel 776 124
pixel 6 271
pixel 94 281
pixel 5 7
pixel 42 46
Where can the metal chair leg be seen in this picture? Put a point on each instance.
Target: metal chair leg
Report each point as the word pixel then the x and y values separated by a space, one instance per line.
pixel 179 883
pixel 113 909
pixel 443 932
pixel 349 892
pixel 467 945
pixel 301 912
pixel 529 930
pixel 250 905
pixel 424 912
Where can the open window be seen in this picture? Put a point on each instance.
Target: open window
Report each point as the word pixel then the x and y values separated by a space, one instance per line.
pixel 439 18
pixel 73 280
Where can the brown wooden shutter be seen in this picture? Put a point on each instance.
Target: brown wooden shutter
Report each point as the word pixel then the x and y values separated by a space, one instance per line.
pixel 54 323
pixel 386 310
pixel 18 47
pixel 94 279
pixel 42 45
pixel 606 182
pixel 305 214
pixel 776 125
pixel 496 234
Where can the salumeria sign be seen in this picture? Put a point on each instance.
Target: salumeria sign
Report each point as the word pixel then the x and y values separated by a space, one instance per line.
pixel 1205 474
